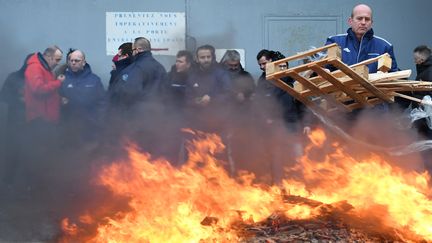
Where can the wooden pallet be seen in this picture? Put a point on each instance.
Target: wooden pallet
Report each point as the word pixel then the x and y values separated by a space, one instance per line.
pixel 346 89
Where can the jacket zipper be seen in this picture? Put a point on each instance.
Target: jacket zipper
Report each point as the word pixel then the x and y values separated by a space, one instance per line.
pixel 358 54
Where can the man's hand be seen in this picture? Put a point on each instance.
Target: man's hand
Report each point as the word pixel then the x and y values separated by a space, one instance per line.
pixel 61 77
pixel 205 100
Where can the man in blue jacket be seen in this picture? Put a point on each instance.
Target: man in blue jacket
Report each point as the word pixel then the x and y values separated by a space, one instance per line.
pixel 83 97
pixel 360 43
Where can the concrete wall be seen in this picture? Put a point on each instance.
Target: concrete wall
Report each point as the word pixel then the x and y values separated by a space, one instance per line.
pixel 286 25
pixel 289 26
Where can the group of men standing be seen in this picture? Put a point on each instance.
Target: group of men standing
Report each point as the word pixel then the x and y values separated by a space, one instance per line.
pixel 202 93
pixel 142 98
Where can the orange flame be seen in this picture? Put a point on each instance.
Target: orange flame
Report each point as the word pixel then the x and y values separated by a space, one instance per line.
pixel 199 202
pixel 367 185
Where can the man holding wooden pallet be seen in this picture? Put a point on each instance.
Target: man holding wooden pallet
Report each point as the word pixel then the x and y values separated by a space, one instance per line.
pixel 360 43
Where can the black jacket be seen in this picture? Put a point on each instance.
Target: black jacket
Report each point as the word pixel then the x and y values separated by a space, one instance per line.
pixel 141 81
pixel 276 102
pixel 242 82
pixel 12 94
pixel 424 70
pixel 175 88
pixel 120 65
pixel 213 81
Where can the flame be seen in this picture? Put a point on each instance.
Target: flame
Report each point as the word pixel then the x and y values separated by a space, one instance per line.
pixel 317 137
pixel 371 186
pixel 200 202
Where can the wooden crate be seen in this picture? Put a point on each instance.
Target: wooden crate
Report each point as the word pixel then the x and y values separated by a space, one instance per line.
pixel 346 89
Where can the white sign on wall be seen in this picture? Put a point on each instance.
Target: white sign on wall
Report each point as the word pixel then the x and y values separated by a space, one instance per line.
pixel 165 30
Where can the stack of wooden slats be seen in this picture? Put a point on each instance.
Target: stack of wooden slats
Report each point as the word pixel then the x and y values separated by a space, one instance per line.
pixel 347 88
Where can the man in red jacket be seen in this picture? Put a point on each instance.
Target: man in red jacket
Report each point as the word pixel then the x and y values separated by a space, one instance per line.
pixel 42 105
pixel 41 98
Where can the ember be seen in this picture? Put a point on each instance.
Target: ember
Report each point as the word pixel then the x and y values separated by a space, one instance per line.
pixel 334 199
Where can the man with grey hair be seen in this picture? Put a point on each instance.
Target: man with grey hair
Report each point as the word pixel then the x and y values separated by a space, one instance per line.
pixel 141 81
pixel 360 43
pixel 239 128
pixel 242 83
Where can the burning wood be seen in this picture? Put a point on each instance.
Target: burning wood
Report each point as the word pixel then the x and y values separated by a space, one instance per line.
pixel 335 223
pixel 208 221
pixel 364 201
pixel 313 231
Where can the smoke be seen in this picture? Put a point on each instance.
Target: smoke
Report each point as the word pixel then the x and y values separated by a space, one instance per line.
pixel 49 171
pixel 387 133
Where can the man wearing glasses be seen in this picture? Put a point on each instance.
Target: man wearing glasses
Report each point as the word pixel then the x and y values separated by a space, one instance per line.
pixel 83 98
